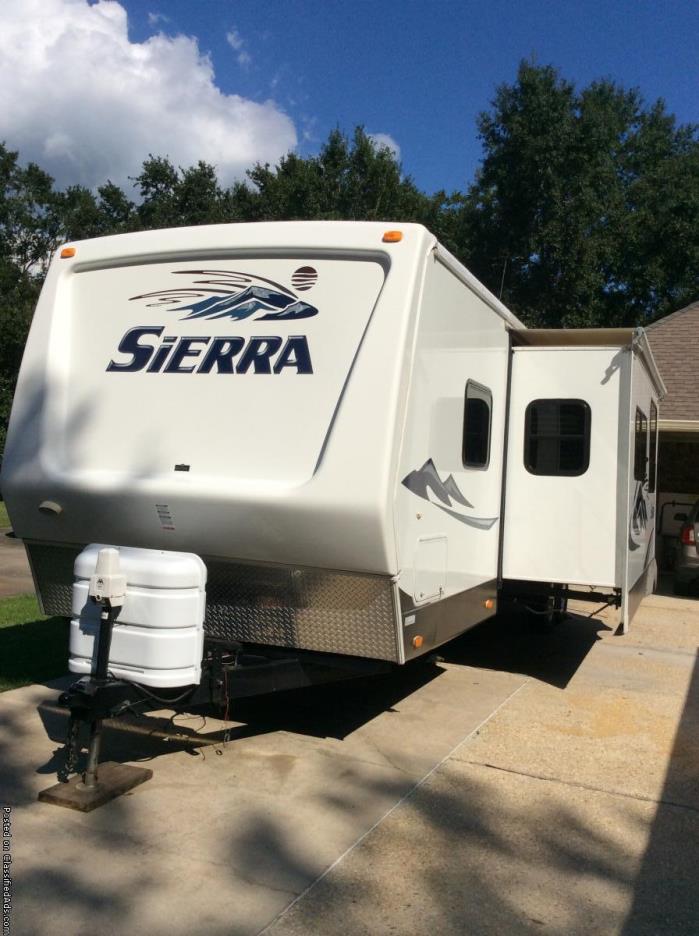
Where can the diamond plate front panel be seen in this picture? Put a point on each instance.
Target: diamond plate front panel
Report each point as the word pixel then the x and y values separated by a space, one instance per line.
pixel 308 609
pixel 53 572
pixel 281 606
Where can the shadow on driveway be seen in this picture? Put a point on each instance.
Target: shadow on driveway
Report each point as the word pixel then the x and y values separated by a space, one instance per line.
pixel 504 644
pixel 510 644
pixel 666 891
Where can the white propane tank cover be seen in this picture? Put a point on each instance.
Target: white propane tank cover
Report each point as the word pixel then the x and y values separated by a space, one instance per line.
pixel 158 636
pixel 107 584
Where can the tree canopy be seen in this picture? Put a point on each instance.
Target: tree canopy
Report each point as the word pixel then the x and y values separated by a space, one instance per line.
pixel 585 207
pixel 583 212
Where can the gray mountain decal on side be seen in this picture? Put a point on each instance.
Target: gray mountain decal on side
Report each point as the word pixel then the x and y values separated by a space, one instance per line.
pixel 427 479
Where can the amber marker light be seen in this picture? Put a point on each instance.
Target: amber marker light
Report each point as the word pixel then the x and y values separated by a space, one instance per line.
pixel 67 252
pixel 417 641
pixel 392 237
pixel 489 604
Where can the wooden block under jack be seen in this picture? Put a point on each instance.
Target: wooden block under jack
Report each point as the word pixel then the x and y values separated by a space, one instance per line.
pixel 112 780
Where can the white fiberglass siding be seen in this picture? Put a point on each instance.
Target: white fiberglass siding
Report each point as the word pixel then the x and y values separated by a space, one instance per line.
pixel 447 514
pixel 231 367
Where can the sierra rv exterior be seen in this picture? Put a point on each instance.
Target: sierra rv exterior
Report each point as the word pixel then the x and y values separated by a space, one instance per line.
pixel 350 444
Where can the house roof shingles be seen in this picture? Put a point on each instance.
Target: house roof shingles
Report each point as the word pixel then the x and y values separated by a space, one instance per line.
pixel 674 341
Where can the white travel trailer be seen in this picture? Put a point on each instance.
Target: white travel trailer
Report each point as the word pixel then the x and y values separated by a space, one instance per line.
pixel 316 438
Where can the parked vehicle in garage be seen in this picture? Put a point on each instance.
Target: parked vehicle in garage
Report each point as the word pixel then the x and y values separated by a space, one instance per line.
pixel 687 562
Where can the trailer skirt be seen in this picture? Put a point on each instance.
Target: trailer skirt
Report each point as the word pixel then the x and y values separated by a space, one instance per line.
pixel 283 606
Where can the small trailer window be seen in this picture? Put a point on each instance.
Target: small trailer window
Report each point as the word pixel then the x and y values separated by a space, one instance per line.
pixel 653 447
pixel 557 437
pixel 640 448
pixel 476 442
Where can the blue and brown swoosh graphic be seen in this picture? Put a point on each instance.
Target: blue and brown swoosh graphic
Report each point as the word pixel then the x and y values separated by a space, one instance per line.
pixel 229 294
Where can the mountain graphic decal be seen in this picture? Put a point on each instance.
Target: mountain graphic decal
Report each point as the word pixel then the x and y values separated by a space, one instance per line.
pixel 639 516
pixel 426 480
pixel 229 294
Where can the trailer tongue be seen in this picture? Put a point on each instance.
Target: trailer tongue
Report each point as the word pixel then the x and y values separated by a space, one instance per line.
pixel 138 631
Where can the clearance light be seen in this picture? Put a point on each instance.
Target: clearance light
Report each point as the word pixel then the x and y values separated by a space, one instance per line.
pixel 489 604
pixel 67 252
pixel 392 237
pixel 417 641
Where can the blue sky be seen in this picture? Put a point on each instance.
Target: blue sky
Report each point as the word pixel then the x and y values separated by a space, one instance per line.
pixel 422 71
pixel 89 87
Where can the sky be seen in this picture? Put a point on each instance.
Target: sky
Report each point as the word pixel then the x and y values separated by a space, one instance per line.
pixel 89 89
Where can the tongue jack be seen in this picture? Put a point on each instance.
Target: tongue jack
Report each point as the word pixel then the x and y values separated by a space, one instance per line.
pixel 107 589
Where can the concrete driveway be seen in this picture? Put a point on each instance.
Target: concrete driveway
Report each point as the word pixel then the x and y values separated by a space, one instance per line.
pixel 527 784
pixel 15 575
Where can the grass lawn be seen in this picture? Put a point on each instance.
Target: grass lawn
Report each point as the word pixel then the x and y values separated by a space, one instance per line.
pixel 4 519
pixel 34 647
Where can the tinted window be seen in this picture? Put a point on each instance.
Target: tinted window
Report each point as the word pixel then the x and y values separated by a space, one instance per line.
pixel 476 442
pixel 557 437
pixel 653 446
pixel 640 458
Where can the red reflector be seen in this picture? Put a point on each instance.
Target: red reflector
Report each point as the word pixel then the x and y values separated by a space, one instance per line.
pixel 687 535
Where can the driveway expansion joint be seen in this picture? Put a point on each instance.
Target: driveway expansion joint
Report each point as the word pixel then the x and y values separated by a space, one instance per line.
pixel 580 786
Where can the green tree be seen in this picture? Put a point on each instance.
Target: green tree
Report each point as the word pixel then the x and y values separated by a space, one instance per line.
pixel 27 230
pixel 117 210
pixel 27 224
pixel 585 208
pixel 171 197
pixel 349 179
pixel 77 215
pixel 18 295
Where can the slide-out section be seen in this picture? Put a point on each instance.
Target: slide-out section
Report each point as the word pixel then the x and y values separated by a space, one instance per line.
pixel 562 465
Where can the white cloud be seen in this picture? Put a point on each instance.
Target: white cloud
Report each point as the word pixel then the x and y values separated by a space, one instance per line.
pixel 384 139
pixel 87 104
pixel 155 18
pixel 234 40
pixel 237 43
